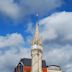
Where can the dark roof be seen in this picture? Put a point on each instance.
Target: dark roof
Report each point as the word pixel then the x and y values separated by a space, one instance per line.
pixel 54 67
pixel 27 62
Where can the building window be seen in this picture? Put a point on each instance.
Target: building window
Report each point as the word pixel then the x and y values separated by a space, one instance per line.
pixel 21 67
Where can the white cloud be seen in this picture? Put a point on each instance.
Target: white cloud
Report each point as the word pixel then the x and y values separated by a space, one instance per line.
pixel 41 6
pixel 10 8
pixel 26 7
pixel 59 56
pixel 9 58
pixel 68 37
pixel 60 23
pixel 48 34
pixel 11 40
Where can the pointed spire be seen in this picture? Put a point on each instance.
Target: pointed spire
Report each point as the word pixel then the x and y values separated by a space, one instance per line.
pixel 37 31
pixel 37 28
pixel 36 36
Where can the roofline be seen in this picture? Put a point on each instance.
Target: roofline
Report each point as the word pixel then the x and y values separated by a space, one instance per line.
pixel 53 65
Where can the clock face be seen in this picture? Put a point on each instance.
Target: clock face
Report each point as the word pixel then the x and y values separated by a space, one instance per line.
pixel 35 46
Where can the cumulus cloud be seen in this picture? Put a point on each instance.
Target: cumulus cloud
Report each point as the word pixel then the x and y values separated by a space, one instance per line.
pixel 60 24
pixel 60 56
pixel 9 8
pixel 68 37
pixel 11 57
pixel 11 40
pixel 16 9
pixel 13 51
pixel 41 6
pixel 48 34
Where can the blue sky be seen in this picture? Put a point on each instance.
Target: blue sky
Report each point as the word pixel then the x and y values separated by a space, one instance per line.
pixel 17 27
pixel 10 25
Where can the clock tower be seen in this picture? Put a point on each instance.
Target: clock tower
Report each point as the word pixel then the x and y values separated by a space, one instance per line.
pixel 36 51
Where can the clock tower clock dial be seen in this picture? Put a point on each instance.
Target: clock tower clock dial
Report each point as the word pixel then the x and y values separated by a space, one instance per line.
pixel 35 46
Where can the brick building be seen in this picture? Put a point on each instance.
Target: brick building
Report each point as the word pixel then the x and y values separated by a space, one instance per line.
pixel 25 65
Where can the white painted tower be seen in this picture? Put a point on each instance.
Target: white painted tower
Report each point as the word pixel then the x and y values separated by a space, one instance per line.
pixel 36 51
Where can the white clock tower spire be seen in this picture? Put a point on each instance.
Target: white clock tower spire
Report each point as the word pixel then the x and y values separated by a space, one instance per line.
pixel 36 51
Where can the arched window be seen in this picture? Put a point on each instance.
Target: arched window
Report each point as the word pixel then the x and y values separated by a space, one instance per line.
pixel 21 67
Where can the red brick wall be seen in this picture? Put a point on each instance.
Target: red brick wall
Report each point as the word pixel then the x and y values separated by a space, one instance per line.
pixel 44 69
pixel 28 69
